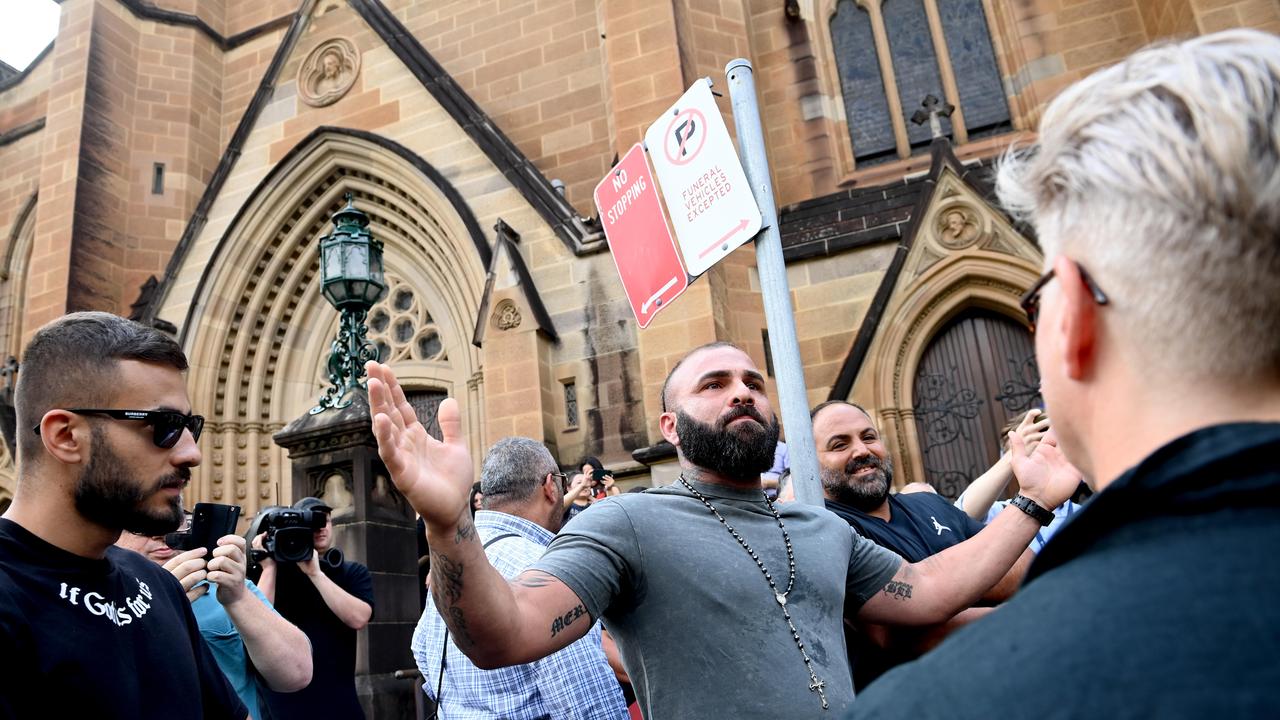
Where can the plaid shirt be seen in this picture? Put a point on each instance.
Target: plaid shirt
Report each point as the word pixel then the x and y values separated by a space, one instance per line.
pixel 575 682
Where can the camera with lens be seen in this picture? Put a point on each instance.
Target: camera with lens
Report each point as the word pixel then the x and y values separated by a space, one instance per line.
pixel 290 535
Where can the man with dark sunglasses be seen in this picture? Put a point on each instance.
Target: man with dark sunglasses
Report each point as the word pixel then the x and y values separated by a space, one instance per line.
pixel 1157 599
pixel 112 445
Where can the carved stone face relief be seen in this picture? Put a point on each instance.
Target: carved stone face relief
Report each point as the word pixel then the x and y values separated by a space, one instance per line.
pixel 328 72
pixel 957 228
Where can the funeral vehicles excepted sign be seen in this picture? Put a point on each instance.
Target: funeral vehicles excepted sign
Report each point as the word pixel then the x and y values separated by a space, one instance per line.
pixel 713 211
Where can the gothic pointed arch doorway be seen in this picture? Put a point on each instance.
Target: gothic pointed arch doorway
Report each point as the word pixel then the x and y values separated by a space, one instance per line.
pixel 257 329
pixel 978 371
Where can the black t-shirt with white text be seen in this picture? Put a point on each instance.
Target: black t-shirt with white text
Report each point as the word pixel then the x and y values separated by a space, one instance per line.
pixel 108 638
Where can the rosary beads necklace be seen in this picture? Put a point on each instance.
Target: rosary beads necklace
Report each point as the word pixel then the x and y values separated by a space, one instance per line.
pixel 815 683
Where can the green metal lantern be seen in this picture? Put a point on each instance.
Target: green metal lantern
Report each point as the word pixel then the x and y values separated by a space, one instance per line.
pixel 352 281
pixel 351 262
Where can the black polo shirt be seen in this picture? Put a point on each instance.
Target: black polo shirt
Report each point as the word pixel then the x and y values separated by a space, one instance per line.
pixel 920 524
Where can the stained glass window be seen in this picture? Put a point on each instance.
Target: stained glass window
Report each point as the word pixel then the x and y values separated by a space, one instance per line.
pixel 982 95
pixel 571 404
pixel 913 59
pixel 865 106
pixel 915 63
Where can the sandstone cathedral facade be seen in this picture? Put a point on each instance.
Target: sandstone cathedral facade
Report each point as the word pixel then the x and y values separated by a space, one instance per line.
pixel 178 161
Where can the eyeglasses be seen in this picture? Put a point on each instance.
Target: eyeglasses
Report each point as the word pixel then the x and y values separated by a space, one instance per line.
pixel 167 425
pixel 1030 301
pixel 563 479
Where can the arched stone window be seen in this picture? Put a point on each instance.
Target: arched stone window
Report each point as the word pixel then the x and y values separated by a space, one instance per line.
pixel 890 54
pixel 401 327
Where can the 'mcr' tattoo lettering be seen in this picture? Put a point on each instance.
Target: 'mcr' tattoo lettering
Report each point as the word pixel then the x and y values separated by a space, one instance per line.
pixel 898 590
pixel 563 622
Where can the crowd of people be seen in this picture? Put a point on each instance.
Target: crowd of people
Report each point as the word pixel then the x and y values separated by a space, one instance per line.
pixel 552 594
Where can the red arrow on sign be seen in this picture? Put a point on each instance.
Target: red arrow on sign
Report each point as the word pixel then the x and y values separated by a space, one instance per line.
pixel 636 228
pixel 742 225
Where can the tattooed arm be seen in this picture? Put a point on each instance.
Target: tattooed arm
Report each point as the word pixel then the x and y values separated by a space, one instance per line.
pixel 941 585
pixel 499 623
pixel 494 622
pixel 936 588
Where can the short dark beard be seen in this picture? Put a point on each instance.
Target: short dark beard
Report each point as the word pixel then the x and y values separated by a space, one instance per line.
pixel 740 453
pixel 108 495
pixel 865 494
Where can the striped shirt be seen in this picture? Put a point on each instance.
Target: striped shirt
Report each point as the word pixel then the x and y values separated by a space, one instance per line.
pixel 575 682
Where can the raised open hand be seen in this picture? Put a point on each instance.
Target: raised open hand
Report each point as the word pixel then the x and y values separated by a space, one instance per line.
pixel 1044 474
pixel 434 475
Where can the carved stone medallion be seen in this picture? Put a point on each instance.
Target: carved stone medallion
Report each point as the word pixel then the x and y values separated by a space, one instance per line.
pixel 328 72
pixel 506 316
pixel 957 227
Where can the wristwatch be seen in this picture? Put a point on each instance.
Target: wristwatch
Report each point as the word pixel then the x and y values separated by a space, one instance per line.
pixel 1032 508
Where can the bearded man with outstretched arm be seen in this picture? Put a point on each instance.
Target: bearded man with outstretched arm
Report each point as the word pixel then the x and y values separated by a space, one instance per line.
pixel 706 585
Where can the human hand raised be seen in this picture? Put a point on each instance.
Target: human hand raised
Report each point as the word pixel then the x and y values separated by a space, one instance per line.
pixel 577 485
pixel 1033 427
pixel 435 476
pixel 1044 474
pixel 190 569
pixel 227 569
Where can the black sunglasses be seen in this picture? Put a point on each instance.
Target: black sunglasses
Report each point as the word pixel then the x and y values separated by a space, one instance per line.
pixel 167 425
pixel 563 479
pixel 1030 301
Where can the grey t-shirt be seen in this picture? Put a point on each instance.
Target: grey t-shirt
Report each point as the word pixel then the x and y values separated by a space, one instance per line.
pixel 700 632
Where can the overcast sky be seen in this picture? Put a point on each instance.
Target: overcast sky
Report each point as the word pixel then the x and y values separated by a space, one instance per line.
pixel 27 27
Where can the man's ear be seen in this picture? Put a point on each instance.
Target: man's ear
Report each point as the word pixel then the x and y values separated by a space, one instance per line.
pixel 65 436
pixel 549 489
pixel 667 425
pixel 1077 324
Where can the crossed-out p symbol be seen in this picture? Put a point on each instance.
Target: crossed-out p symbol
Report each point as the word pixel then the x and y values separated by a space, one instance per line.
pixel 685 137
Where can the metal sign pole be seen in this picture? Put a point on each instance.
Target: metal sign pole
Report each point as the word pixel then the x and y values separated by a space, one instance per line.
pixel 778 314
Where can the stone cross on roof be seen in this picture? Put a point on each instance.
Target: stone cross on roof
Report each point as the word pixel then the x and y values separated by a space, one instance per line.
pixel 933 109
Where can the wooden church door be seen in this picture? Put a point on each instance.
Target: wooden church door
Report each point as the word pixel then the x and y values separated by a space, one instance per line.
pixel 978 372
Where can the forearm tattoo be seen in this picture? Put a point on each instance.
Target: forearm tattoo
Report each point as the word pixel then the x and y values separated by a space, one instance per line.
pixel 458 626
pixel 466 529
pixel 898 590
pixel 446 579
pixel 446 589
pixel 564 621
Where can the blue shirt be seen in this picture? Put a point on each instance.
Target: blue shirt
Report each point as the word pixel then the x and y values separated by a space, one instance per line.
pixel 1060 515
pixel 223 639
pixel 575 682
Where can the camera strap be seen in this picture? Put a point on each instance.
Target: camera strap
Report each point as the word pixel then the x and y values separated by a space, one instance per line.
pixel 444 646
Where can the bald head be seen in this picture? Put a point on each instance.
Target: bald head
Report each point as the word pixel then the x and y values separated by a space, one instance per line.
pixel 667 384
pixel 718 415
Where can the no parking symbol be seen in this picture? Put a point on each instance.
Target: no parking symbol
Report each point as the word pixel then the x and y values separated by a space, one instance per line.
pixel 711 206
